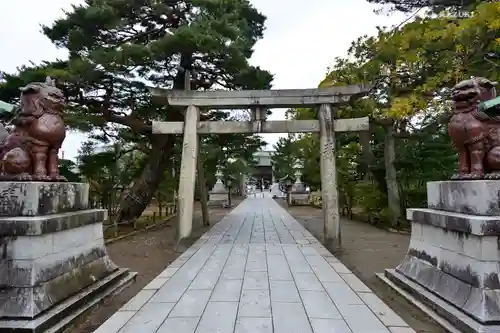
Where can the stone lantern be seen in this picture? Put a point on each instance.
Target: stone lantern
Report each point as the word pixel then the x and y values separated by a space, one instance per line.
pixel 298 193
pixel 218 195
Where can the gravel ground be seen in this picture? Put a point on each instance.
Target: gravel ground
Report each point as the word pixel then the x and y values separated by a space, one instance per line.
pixel 147 253
pixel 367 250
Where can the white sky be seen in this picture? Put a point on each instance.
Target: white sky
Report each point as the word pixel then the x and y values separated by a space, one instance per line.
pixel 300 42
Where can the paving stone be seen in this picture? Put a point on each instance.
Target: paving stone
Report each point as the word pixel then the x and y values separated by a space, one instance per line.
pixel 355 283
pixel 381 310
pixel 401 330
pixel 219 317
pixel 255 280
pixel 253 325
pixel 148 319
pixel 284 291
pixel 157 283
pixel 191 304
pixel 208 276
pixel 278 268
pixel 330 326
pixel 307 281
pixel 256 262
pixel 319 305
pixel 341 293
pixel 255 303
pixel 138 301
pixel 179 325
pixel 256 271
pixel 168 272
pixel 227 291
pixel 116 322
pixel 361 319
pixel 235 267
pixel 290 318
pixel 340 268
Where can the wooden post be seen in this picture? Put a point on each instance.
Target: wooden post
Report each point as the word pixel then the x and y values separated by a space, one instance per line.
pixel 332 227
pixel 199 167
pixel 187 175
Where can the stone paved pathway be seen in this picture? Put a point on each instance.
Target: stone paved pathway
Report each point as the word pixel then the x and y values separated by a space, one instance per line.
pixel 256 271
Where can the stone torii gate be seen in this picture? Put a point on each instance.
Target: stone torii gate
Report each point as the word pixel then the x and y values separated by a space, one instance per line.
pixel 258 101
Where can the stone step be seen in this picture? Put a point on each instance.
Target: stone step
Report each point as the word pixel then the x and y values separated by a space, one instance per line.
pixel 60 317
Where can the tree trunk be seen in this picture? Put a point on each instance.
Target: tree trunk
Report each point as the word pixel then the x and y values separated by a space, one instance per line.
pixel 370 160
pixel 394 201
pixel 135 200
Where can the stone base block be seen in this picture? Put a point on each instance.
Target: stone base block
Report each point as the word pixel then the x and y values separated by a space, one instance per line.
pixel 479 225
pixel 473 258
pixel 478 197
pixel 218 199
pixel 456 257
pixel 60 317
pixel 479 303
pixel 299 199
pixel 42 198
pixel 30 301
pixel 46 259
pixel 452 318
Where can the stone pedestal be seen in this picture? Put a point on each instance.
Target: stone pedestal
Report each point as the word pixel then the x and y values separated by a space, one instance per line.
pixel 53 254
pixel 218 196
pixel 454 254
pixel 298 195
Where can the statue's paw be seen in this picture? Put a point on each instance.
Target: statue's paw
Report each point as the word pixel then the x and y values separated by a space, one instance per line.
pixel 42 178
pixel 476 175
pixel 58 178
pixel 494 175
pixel 24 177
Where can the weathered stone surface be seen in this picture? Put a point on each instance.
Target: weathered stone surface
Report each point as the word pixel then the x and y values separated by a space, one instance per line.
pixel 30 301
pixel 26 273
pixel 46 224
pixel 33 247
pixel 479 225
pixel 217 199
pixel 469 258
pixel 434 305
pixel 455 264
pixel 41 198
pixel 479 303
pixel 454 253
pixel 60 317
pixel 480 197
pixel 38 271
pixel 299 198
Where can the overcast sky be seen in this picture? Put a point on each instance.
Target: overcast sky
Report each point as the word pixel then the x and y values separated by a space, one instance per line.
pixel 301 40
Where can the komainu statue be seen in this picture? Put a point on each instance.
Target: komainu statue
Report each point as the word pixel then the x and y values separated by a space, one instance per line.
pixel 475 129
pixel 30 151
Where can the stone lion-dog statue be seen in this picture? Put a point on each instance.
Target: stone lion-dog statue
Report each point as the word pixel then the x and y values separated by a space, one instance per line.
pixel 30 151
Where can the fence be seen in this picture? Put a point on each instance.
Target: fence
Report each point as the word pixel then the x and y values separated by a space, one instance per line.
pixel 113 229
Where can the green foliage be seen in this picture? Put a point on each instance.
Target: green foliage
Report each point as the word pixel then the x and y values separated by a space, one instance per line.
pixel 413 67
pixel 435 5
pixel 284 157
pixel 69 169
pixel 117 48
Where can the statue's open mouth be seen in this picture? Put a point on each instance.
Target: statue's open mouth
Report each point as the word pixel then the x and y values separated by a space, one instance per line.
pixel 466 95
